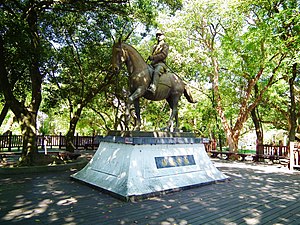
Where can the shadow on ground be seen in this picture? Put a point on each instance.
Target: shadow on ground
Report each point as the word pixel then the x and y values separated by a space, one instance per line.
pixel 254 195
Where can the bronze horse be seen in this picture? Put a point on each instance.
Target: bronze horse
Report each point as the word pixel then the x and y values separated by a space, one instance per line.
pixel 170 86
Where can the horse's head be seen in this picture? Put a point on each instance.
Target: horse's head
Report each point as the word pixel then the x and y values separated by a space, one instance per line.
pixel 117 56
pixel 121 53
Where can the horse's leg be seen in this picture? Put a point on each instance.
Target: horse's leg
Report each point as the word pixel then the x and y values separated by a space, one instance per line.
pixel 127 115
pixel 134 98
pixel 138 114
pixel 173 103
pixel 175 110
pixel 170 101
pixel 139 92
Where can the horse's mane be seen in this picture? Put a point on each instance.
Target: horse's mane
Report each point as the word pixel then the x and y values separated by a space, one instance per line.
pixel 136 56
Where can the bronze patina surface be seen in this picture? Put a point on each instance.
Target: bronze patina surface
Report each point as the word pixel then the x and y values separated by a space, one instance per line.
pixel 170 86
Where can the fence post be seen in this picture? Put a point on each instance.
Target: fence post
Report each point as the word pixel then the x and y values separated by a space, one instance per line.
pixel 9 141
pixel 59 146
pixel 93 139
pixel 77 140
pixel 292 155
pixel 43 140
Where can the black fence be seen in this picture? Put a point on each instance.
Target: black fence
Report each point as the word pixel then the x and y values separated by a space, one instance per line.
pixel 9 142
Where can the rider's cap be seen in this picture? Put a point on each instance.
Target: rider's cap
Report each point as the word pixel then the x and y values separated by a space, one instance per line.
pixel 159 32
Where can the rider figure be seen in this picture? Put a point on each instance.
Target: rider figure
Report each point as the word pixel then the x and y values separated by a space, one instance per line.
pixel 158 59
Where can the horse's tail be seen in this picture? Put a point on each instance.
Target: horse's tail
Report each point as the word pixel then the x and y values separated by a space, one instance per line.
pixel 187 93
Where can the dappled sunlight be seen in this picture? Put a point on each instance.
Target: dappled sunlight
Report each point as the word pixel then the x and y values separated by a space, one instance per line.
pixel 184 207
pixel 166 206
pixel 20 201
pixel 67 201
pixel 197 200
pixel 157 199
pixel 135 163
pixel 70 220
pixel 154 215
pixel 254 218
pixel 55 193
pixel 227 221
pixel 260 168
pixel 27 211
pixel 252 196
pixel 171 221
pixel 39 201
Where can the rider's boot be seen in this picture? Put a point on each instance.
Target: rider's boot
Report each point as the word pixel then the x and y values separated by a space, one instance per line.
pixel 153 86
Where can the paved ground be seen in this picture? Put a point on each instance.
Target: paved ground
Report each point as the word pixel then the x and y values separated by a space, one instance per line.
pixel 256 194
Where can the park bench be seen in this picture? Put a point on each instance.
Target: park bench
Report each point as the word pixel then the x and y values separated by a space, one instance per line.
pixel 258 157
pixel 228 154
pixel 9 158
pixel 284 160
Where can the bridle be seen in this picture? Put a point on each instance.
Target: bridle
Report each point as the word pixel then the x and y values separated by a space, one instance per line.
pixel 122 56
pixel 119 56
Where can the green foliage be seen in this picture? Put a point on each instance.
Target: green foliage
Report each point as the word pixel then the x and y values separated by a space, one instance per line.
pixel 76 38
pixel 17 45
pixel 243 37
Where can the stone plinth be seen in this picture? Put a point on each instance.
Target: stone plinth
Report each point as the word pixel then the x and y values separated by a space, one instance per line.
pixel 150 134
pixel 144 166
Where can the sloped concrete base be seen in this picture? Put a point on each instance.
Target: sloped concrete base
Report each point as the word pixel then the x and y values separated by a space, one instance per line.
pixel 135 170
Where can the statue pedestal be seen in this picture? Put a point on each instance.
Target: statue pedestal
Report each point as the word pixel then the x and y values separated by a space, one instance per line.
pixel 136 164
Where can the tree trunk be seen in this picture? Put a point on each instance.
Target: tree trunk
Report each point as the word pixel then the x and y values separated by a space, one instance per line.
pixel 232 143
pixel 70 143
pixel 26 116
pixel 30 151
pixel 3 113
pixel 70 139
pixel 28 122
pixel 231 137
pixel 258 131
pixel 292 109
pixel 257 125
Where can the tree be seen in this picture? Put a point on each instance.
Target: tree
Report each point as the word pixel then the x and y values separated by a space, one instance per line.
pixel 239 50
pixel 285 24
pixel 23 42
pixel 83 59
pixel 22 18
pixel 80 67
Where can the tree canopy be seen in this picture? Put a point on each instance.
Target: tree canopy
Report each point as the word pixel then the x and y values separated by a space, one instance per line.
pixel 45 39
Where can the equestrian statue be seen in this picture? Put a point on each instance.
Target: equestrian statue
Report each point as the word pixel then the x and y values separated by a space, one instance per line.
pixel 152 82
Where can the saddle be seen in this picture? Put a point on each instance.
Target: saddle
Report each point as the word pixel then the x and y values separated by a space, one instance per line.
pixel 163 70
